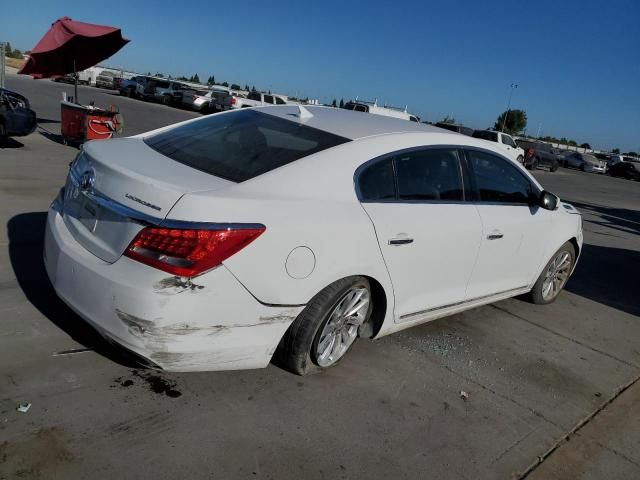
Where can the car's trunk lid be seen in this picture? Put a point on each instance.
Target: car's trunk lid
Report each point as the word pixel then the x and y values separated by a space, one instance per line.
pixel 115 187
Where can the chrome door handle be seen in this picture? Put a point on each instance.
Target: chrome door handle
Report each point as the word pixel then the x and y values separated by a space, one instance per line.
pixel 400 241
pixel 495 236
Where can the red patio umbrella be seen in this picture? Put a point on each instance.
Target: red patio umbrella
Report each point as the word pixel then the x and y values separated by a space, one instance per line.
pixel 71 46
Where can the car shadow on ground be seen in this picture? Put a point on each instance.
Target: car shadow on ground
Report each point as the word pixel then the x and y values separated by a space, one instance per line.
pixel 621 219
pixel 10 143
pixel 56 137
pixel 617 290
pixel 26 242
pixel 46 120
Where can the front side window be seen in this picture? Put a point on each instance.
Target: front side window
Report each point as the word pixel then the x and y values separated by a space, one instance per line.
pixel 280 101
pixel 268 99
pixel 377 182
pixel 432 174
pixel 497 180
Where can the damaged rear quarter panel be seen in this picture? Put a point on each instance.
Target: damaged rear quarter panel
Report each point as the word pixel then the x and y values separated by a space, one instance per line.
pixel 207 323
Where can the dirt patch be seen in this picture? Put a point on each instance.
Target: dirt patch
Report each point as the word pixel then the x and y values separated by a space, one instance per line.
pixel 39 455
pixel 14 62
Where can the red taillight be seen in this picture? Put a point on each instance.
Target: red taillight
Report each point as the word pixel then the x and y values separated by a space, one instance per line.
pixel 188 253
pixel 233 100
pixel 530 152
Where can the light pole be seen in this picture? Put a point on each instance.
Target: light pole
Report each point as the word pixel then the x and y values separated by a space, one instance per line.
pixel 506 115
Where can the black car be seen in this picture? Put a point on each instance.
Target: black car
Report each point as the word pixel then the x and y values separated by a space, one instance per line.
pixel 16 118
pixel 455 128
pixel 630 170
pixel 539 154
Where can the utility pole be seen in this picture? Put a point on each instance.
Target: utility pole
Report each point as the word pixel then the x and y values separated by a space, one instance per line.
pixel 506 115
pixel 539 128
pixel 2 61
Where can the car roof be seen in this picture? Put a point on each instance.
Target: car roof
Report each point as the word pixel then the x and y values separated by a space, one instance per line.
pixel 348 123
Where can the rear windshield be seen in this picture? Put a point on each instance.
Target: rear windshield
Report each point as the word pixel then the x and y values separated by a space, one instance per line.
pixel 241 145
pixel 485 135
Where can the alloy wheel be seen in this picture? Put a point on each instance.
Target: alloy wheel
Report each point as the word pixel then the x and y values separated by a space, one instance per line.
pixel 557 275
pixel 341 328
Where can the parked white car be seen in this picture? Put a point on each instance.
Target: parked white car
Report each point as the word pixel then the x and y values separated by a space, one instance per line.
pixel 505 142
pixel 202 100
pixel 215 243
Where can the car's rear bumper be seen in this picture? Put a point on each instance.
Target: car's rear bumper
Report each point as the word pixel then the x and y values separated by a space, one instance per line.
pixel 208 323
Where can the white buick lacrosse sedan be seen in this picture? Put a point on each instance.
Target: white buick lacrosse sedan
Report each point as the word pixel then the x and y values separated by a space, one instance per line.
pixel 222 241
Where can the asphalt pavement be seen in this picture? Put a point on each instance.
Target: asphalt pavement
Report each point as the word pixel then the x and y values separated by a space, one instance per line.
pixel 551 391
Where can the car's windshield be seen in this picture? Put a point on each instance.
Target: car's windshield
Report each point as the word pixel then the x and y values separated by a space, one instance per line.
pixel 589 158
pixel 241 145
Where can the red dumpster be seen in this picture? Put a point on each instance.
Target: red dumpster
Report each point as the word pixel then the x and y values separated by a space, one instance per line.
pixel 86 122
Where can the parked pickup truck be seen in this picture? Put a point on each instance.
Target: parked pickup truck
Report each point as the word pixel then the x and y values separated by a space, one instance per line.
pixel 539 154
pixel 107 79
pixel 504 141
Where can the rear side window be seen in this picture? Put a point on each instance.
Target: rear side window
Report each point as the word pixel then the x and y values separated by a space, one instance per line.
pixel 432 174
pixel 499 181
pixel 268 99
pixel 486 135
pixel 241 145
pixel 377 182
pixel 280 101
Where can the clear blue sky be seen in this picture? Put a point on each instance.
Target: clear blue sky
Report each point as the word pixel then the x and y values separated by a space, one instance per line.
pixel 577 63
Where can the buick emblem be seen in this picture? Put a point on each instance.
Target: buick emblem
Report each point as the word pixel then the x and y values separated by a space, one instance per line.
pixel 87 180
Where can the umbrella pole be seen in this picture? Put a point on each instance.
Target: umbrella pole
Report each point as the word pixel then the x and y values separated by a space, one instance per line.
pixel 75 83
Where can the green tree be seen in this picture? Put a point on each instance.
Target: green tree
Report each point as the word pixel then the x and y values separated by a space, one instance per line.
pixel 585 145
pixel 246 87
pixel 334 103
pixel 615 151
pixel 225 84
pixel 196 78
pixel 341 103
pixel 253 89
pixel 513 121
pixel 235 86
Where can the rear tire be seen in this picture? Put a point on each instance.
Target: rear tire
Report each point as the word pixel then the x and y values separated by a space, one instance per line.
pixel 554 167
pixel 554 276
pixel 323 333
pixel 3 133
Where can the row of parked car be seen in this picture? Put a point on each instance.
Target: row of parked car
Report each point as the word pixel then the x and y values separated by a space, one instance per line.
pixel 536 154
pixel 205 100
pixel 531 153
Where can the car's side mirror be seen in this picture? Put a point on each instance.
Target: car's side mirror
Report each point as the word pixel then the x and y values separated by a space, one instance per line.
pixel 548 200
